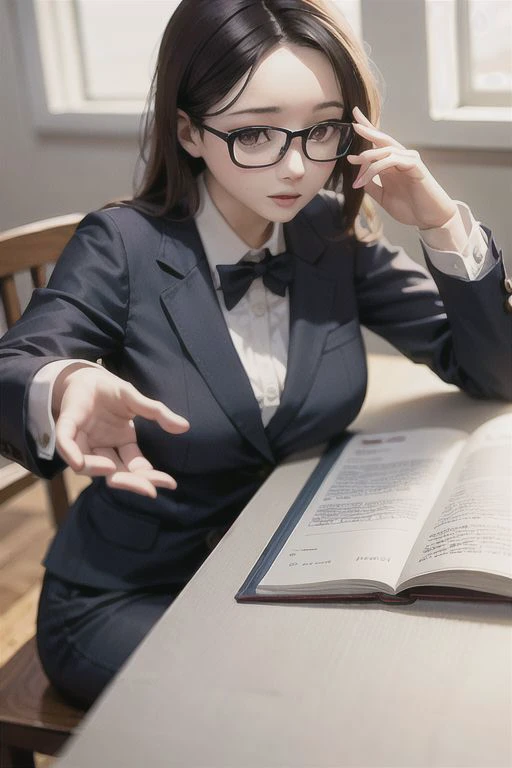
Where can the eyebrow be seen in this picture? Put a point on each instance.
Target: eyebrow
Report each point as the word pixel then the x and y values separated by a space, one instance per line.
pixel 275 110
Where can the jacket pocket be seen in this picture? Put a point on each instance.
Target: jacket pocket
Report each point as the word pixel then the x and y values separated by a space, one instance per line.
pixel 116 521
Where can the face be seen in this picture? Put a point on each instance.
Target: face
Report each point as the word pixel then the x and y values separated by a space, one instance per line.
pixel 292 87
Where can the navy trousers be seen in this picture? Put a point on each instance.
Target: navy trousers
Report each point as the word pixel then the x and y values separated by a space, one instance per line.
pixel 85 635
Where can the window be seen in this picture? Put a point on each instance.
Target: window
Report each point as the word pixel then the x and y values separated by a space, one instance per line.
pixel 485 58
pixel 470 59
pixel 84 75
pixel 118 67
pixel 445 66
pixel 423 48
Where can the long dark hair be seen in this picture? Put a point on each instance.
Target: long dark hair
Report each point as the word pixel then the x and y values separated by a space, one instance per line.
pixel 208 47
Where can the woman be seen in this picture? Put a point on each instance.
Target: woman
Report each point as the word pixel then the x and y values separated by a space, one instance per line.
pixel 213 373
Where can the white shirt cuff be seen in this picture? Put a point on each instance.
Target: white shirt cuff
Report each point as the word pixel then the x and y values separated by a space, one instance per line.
pixel 40 421
pixel 469 260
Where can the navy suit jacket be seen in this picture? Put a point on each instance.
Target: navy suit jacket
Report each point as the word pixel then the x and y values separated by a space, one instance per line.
pixel 136 291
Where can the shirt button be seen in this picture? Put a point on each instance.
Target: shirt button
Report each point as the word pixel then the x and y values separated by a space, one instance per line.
pixel 508 284
pixel 259 309
pixel 477 255
pixel 271 393
pixel 45 440
pixel 508 305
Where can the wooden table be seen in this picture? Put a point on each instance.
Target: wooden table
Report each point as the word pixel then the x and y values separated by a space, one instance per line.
pixel 222 685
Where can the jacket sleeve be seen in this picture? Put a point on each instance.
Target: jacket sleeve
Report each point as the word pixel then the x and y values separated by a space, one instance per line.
pixel 460 328
pixel 82 313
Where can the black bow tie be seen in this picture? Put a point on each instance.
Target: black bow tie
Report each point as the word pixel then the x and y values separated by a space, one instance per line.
pixel 277 272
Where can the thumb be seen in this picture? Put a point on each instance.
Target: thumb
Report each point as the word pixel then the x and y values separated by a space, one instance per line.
pixel 66 431
pixel 154 410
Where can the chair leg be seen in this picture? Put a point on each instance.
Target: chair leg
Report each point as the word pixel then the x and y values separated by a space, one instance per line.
pixel 14 757
pixel 58 498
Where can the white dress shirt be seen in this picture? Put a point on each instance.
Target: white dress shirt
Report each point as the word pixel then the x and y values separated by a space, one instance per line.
pixel 259 323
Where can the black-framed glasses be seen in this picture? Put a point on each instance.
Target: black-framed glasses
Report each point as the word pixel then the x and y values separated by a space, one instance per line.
pixel 259 146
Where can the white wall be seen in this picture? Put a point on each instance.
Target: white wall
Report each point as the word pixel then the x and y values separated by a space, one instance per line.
pixel 42 176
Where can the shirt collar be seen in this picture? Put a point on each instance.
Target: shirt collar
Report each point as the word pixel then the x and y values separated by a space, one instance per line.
pixel 221 243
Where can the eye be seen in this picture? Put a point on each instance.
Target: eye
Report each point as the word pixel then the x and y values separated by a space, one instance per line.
pixel 251 137
pixel 322 132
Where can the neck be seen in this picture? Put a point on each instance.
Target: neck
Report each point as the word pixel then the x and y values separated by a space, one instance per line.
pixel 249 226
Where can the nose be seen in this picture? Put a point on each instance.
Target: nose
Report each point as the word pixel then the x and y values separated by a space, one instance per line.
pixel 292 164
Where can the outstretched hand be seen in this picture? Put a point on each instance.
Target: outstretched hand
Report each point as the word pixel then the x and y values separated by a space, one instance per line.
pixel 95 433
pixel 398 179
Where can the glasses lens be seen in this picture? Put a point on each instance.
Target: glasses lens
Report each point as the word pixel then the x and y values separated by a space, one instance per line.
pixel 328 141
pixel 259 146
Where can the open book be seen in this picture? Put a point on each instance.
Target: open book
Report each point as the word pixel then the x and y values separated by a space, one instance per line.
pixel 423 512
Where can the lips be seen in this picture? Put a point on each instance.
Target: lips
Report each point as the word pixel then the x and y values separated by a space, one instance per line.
pixel 285 201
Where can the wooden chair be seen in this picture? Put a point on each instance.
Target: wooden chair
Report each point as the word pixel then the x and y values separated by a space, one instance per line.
pixel 33 717
pixel 31 248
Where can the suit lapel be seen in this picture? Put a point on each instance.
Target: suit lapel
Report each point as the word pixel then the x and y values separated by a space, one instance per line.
pixel 193 308
pixel 311 298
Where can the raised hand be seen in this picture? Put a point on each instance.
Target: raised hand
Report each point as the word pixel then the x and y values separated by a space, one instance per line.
pixel 95 433
pixel 398 179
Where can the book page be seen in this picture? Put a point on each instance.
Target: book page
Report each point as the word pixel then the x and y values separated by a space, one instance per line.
pixel 362 522
pixel 471 525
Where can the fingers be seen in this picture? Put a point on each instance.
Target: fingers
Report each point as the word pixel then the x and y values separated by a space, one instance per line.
pixel 154 410
pixel 369 155
pixel 135 473
pixel 387 154
pixel 95 433
pixel 364 128
pixel 65 433
pixel 361 117
pixel 126 481
pixel 400 162
pixel 365 159
pixel 134 461
pixel 74 448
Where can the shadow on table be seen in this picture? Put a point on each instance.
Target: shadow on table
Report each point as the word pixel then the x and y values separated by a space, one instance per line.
pixel 443 409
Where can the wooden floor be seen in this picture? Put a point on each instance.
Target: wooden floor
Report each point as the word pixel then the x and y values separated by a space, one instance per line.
pixel 26 529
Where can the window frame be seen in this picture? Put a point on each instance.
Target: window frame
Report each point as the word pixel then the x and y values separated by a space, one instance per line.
pixel 388 26
pixel 468 95
pixel 428 121
pixel 124 121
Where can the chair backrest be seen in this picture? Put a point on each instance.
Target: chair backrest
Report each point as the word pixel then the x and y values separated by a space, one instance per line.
pixel 32 248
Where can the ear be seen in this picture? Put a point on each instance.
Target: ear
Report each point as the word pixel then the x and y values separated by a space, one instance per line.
pixel 188 135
